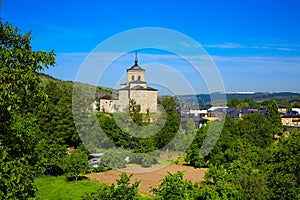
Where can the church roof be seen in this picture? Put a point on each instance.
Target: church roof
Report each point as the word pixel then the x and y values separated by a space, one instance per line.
pixel 138 87
pixel 108 97
pixel 137 81
pixel 135 66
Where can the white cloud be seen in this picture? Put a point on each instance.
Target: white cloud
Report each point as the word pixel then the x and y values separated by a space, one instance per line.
pixel 279 47
pixel 224 46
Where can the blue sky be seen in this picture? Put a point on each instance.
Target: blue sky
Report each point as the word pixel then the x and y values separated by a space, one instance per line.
pixel 255 44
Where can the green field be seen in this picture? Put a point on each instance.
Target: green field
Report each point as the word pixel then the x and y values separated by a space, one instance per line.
pixel 51 187
pixel 58 188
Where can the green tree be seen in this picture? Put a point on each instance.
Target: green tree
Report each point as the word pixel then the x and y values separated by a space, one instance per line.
pixel 114 159
pixel 233 102
pixel 241 103
pixel 16 174
pixel 255 129
pixel 112 131
pixel 168 103
pixel 283 172
pixel 55 117
pixel 50 156
pixel 296 104
pixel 190 126
pixel 273 119
pixel 193 152
pixel 172 124
pixel 144 159
pixel 55 125
pixel 20 95
pixel 76 163
pixel 218 185
pixel 134 112
pixel 121 138
pixel 173 186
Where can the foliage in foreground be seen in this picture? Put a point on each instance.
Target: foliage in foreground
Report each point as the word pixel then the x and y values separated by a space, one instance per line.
pixel 76 163
pixel 248 162
pixel 20 95
pixel 173 186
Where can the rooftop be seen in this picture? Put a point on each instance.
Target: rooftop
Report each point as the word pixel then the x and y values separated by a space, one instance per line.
pixel 135 66
pixel 138 87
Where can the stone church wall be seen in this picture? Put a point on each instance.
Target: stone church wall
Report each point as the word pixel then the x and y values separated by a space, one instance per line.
pixel 146 99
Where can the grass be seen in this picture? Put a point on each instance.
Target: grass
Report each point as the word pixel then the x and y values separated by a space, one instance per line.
pixel 58 188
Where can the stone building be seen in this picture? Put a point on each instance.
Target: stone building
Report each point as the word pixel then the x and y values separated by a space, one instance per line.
pixel 135 88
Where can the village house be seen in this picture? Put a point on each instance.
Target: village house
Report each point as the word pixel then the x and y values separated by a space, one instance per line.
pixel 282 109
pixel 198 111
pixel 291 119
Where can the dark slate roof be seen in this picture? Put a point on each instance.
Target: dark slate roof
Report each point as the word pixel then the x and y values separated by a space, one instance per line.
pixel 247 110
pixel 138 87
pixel 107 96
pixel 263 111
pixel 231 109
pixel 135 66
pixel 137 81
pixel 233 112
pixel 291 115
pixel 281 106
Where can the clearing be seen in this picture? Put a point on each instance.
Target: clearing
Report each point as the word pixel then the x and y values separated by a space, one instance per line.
pixel 150 177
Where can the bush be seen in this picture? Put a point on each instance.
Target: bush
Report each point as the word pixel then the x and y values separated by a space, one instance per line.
pixel 100 168
pixel 123 190
pixel 114 159
pixel 144 159
pixel 173 186
pixel 76 163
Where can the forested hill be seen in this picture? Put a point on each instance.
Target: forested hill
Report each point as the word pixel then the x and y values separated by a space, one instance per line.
pixel 55 120
pixel 99 90
pixel 266 96
pixel 258 97
pixel 203 99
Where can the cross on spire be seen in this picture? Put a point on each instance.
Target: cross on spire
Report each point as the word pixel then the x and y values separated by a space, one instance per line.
pixel 136 58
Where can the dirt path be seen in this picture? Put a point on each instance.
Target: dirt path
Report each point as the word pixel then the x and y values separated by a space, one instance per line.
pixel 150 176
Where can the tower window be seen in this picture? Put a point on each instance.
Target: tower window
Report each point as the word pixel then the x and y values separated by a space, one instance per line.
pixel 139 77
pixel 132 78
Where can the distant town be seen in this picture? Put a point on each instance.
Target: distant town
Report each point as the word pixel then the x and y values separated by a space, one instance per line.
pixel 202 114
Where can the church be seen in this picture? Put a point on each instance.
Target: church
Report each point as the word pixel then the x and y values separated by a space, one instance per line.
pixel 135 88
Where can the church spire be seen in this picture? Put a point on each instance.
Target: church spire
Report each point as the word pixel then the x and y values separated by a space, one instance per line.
pixel 135 66
pixel 136 59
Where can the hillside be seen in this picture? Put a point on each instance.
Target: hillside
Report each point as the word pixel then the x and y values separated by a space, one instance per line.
pixel 258 97
pixel 203 99
pixel 98 91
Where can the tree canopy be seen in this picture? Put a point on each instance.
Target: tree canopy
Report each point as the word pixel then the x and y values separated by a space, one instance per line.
pixel 20 95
